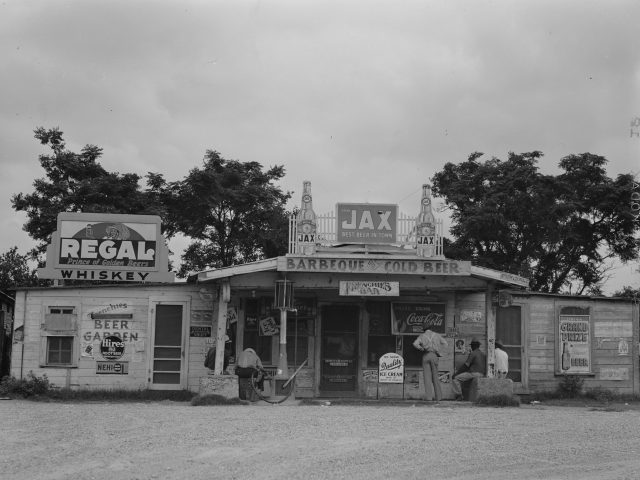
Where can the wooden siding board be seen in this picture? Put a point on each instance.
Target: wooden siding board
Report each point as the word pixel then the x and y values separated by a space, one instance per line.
pixel 87 301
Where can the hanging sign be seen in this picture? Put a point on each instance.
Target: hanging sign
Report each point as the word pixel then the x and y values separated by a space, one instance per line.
pixel 369 289
pixel 268 327
pixel 391 368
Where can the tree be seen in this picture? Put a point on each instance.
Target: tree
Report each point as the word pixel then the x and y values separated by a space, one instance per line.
pixel 231 209
pixel 15 271
pixel 559 231
pixel 628 292
pixel 76 182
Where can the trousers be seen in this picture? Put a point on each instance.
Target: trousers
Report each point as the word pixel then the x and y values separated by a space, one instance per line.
pixel 431 381
pixel 456 383
pixel 247 372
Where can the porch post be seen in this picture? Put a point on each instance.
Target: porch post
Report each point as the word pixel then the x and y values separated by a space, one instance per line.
pixel 491 330
pixel 283 367
pixel 221 330
pixel 283 300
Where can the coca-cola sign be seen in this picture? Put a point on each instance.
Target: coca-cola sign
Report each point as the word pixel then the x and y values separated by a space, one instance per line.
pixel 415 318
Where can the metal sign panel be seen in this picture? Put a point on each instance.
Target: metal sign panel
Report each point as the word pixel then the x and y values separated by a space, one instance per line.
pixel 108 247
pixel 371 264
pixel 415 318
pixel 574 350
pixel 112 368
pixel 369 289
pixel 367 223
pixel 391 368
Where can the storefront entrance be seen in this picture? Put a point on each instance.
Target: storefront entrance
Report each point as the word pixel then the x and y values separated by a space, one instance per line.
pixel 339 350
pixel 509 331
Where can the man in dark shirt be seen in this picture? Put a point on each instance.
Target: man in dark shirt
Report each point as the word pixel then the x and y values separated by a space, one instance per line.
pixel 475 366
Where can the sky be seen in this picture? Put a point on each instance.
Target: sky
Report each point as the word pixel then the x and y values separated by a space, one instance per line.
pixel 365 99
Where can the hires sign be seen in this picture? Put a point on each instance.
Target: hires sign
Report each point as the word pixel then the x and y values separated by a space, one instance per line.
pixel 95 246
pixel 366 223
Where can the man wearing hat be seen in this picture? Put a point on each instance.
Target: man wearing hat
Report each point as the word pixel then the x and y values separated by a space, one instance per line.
pixel 502 361
pixel 475 366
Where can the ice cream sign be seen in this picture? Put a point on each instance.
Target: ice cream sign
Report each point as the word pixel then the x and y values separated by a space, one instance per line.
pixel 391 368
pixel 94 246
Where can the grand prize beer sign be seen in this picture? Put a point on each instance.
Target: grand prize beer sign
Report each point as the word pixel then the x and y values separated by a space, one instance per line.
pixel 109 247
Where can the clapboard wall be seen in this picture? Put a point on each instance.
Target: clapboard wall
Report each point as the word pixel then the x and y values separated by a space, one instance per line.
pixel 613 341
pixel 129 313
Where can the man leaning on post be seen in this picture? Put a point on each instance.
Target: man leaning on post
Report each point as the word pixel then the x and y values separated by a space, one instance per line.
pixel 475 366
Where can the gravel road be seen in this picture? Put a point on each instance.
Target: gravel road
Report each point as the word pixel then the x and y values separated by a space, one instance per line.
pixel 172 440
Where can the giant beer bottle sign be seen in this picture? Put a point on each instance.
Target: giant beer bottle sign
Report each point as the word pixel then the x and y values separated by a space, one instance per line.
pixel 425 226
pixel 109 247
pixel 306 222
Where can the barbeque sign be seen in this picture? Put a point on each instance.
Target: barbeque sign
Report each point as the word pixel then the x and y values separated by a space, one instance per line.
pixel 119 248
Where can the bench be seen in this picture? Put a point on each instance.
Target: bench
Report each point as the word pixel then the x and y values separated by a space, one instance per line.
pixel 489 387
pixel 224 385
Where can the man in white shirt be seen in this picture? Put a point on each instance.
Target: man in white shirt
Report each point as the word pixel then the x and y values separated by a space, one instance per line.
pixel 502 361
pixel 429 344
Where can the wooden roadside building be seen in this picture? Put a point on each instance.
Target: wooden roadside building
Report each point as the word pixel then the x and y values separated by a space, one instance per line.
pixel 355 285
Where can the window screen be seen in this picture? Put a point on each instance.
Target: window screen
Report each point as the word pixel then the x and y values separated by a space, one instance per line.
pixel 59 350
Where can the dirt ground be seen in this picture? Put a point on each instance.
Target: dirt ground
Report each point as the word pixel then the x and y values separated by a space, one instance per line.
pixel 173 440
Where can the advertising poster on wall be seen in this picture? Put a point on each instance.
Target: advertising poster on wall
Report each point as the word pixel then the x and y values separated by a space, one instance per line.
pixel 415 318
pixel 108 247
pixel 574 352
pixel 269 327
pixel 366 223
pixel 391 368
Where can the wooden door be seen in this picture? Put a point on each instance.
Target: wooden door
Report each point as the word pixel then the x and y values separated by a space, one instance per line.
pixel 339 350
pixel 167 369
pixel 509 331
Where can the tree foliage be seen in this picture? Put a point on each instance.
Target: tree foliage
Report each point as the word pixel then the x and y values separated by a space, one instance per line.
pixel 556 230
pixel 231 209
pixel 76 182
pixel 15 271
pixel 628 292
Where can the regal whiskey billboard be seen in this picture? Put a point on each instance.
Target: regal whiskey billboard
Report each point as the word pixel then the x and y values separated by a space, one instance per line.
pixel 108 247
